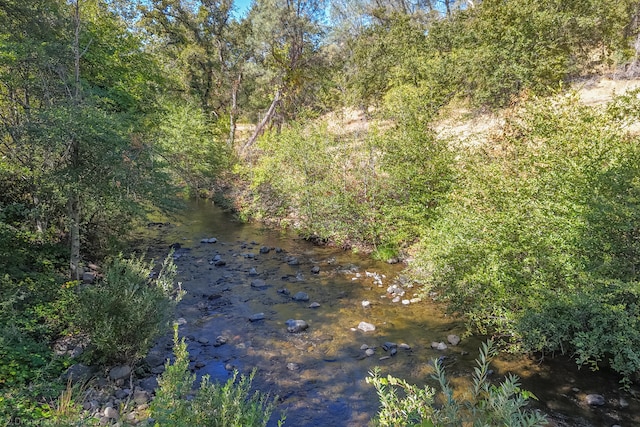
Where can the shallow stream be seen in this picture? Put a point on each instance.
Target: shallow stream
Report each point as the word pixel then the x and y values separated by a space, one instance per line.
pixel 319 374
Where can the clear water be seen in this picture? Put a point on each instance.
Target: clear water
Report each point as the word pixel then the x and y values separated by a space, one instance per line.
pixel 320 374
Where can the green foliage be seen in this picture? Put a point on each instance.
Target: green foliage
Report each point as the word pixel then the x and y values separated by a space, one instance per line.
pixel 230 404
pixel 381 188
pixel 194 147
pixel 484 404
pixel 545 218
pixel 599 324
pixel 126 310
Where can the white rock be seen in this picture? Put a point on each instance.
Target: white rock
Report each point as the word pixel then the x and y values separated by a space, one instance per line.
pixel 366 327
pixel 366 303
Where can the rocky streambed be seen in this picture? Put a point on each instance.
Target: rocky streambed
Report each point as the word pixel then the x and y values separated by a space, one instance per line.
pixel 315 321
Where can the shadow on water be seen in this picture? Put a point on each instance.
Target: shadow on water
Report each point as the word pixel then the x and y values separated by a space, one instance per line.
pixel 320 374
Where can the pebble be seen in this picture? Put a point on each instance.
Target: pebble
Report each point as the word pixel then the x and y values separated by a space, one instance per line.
pixel 438 345
pixel 314 305
pixel 366 304
pixel 256 317
pixel 265 250
pixel 120 372
pixel 315 270
pixel 366 327
pixel 364 347
pixel 301 296
pixel 111 413
pixel 258 284
pixel 595 400
pixel 369 352
pixel 453 339
pixel 295 326
pixel 293 366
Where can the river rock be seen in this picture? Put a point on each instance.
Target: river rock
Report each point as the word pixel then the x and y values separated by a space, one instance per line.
pixel 220 340
pixel 265 250
pixel 120 372
pixel 256 317
pixel 78 373
pixel 293 261
pixel 301 296
pixel 438 345
pixel 315 269
pixel 111 413
pixel 88 277
pixel 121 394
pixel 369 352
pixel 389 345
pixel 366 304
pixel 314 305
pixel 209 240
pixel 149 384
pixel 295 326
pixel 366 327
pixel 594 400
pixel 293 366
pixel 259 284
pixel 453 339
pixel 253 272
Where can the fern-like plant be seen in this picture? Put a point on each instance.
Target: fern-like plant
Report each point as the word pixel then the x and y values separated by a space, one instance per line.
pixel 230 404
pixel 485 404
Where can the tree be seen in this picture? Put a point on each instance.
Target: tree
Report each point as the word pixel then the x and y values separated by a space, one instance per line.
pixel 207 46
pixel 286 40
pixel 72 115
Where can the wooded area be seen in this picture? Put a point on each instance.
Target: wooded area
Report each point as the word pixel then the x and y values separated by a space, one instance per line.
pixel 112 109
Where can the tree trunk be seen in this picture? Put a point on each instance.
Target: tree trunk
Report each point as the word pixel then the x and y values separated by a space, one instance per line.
pixel 74 229
pixel 234 111
pixel 267 118
pixel 74 154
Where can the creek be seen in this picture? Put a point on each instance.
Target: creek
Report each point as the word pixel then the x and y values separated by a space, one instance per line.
pixel 319 374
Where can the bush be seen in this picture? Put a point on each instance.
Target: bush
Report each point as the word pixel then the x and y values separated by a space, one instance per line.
pixel 127 310
pixel 541 223
pixel 217 405
pixel 484 404
pixel 595 325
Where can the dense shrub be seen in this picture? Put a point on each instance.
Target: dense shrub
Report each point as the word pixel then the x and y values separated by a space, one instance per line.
pixel 542 221
pixel 380 187
pixel 127 309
